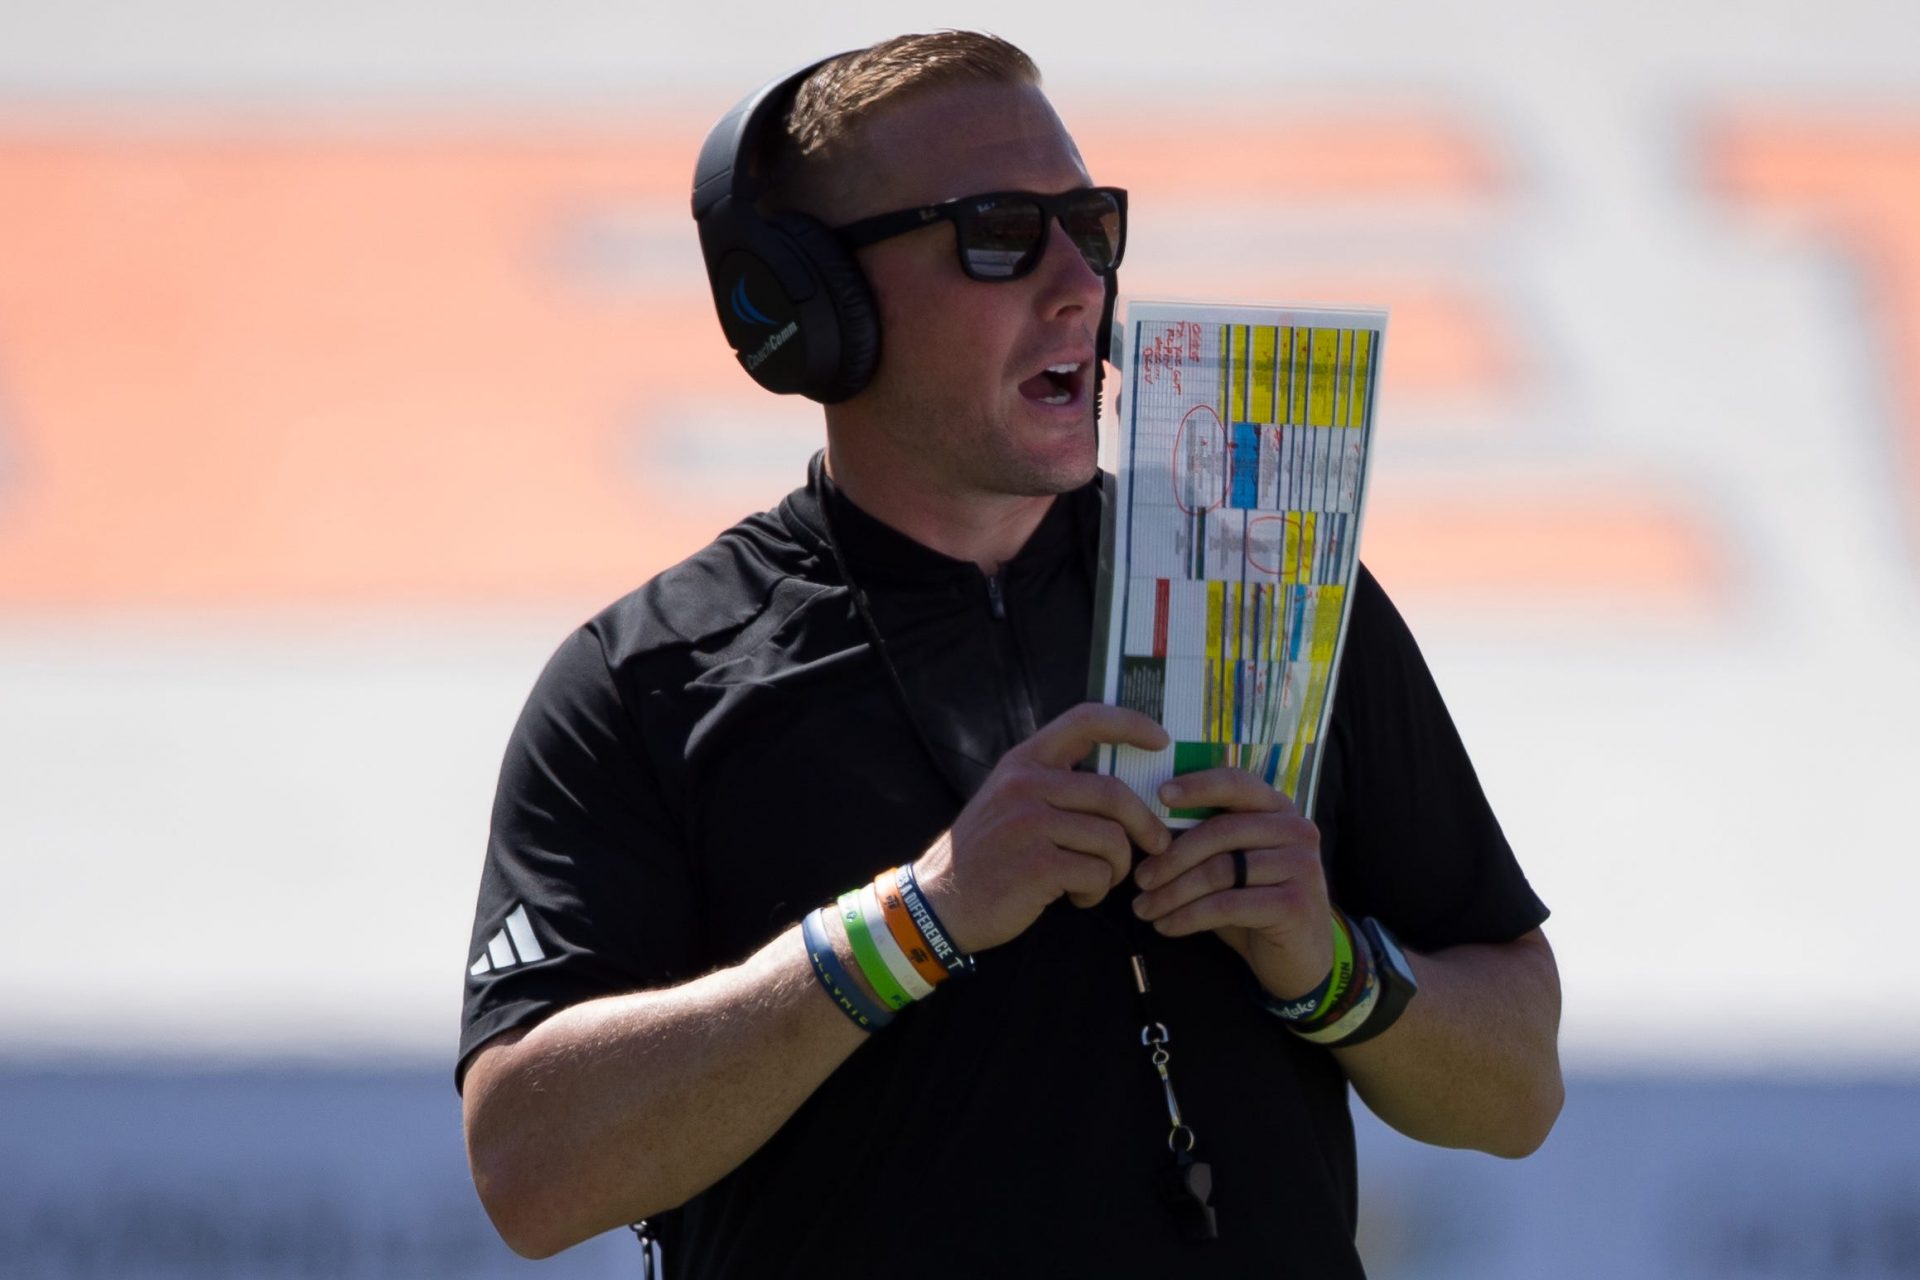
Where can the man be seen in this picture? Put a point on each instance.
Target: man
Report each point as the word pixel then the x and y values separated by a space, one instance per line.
pixel 885 671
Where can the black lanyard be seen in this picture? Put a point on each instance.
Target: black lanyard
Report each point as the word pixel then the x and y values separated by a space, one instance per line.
pixel 1185 1185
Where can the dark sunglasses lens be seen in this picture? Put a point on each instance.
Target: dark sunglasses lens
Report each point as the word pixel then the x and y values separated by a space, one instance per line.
pixel 999 239
pixel 1093 221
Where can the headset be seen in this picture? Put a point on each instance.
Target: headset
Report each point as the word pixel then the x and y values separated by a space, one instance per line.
pixel 793 303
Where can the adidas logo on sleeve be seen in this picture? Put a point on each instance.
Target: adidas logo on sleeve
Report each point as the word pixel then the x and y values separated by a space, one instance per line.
pixel 513 945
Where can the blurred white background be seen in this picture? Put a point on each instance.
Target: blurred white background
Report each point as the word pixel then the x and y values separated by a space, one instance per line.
pixel 351 354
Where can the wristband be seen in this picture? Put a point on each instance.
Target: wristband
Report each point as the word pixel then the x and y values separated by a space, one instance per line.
pixel 867 955
pixel 1341 1005
pixel 1303 1009
pixel 1350 1022
pixel 929 924
pixel 1393 978
pixel 1350 978
pixel 916 987
pixel 833 976
pixel 905 932
pixel 1309 1008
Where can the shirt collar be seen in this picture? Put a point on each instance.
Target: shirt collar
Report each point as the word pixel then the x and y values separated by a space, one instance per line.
pixel 877 551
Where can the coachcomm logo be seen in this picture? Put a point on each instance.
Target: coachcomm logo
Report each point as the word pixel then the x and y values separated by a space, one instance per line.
pixel 743 307
pixel 749 314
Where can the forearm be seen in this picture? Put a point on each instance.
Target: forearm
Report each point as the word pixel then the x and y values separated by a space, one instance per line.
pixel 624 1106
pixel 1474 1061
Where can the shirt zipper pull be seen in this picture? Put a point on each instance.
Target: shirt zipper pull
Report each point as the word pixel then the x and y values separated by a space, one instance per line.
pixel 996 602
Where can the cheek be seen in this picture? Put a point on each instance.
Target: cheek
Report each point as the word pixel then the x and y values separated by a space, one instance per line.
pixel 949 343
pixel 937 326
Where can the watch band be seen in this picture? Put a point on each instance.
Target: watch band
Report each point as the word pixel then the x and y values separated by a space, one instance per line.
pixel 1396 984
pixel 1380 985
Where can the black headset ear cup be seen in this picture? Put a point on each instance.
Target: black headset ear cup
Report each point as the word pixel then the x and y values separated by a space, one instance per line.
pixel 845 286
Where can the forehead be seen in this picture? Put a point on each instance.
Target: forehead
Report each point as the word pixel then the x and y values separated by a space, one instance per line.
pixel 956 140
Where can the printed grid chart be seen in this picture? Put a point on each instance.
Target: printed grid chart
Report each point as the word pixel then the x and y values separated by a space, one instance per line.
pixel 1244 439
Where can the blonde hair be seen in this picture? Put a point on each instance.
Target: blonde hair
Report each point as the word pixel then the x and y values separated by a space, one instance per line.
pixel 834 102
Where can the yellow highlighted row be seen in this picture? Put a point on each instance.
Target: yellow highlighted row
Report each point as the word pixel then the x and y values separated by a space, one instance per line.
pixel 1283 374
pixel 1242 632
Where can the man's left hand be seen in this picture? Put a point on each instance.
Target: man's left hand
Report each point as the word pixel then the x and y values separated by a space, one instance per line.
pixel 1280 922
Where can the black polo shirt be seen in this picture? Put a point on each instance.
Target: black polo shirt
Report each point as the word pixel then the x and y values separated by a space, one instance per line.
pixel 722 750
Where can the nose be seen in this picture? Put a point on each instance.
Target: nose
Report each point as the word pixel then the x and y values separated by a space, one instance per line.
pixel 1069 282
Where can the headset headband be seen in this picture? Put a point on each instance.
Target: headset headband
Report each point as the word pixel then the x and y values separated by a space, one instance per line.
pixel 735 142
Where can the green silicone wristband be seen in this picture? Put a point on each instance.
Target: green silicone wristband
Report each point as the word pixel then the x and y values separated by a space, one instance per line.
pixel 1346 981
pixel 872 964
pixel 1342 965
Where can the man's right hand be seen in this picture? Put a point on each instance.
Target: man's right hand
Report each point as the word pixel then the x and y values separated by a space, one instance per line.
pixel 618 1107
pixel 1038 828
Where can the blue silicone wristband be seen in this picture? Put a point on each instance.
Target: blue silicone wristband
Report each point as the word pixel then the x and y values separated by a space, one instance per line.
pixel 956 960
pixel 834 978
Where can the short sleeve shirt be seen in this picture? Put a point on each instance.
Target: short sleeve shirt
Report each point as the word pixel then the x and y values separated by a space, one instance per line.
pixel 723 750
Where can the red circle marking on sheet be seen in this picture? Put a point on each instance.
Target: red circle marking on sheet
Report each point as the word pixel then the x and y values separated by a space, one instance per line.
pixel 1178 472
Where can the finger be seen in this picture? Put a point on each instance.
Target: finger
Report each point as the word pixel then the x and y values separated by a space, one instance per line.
pixel 1295 868
pixel 1098 838
pixel 1083 878
pixel 1223 788
pixel 1113 799
pixel 1226 831
pixel 1251 908
pixel 1066 739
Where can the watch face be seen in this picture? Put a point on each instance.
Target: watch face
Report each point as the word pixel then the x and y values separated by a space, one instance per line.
pixel 1389 951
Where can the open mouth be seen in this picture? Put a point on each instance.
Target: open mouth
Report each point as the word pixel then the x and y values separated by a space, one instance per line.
pixel 1057 384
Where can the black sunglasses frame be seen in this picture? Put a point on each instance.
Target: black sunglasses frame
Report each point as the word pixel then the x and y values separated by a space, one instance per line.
pixel 965 214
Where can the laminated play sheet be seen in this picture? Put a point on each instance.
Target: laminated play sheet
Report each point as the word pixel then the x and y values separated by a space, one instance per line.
pixel 1242 437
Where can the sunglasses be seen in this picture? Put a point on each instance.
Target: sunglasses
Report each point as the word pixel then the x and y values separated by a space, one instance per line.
pixel 1002 235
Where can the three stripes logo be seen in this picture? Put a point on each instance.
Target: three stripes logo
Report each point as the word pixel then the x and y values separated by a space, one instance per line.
pixel 513 945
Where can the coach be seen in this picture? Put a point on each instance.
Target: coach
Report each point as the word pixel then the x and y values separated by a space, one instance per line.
pixel 801 935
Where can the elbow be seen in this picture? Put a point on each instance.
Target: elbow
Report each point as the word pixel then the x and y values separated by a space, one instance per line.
pixel 546 1183
pixel 537 1201
pixel 1540 1090
pixel 515 1206
pixel 524 1238
pixel 1530 1120
pixel 527 1187
pixel 521 1177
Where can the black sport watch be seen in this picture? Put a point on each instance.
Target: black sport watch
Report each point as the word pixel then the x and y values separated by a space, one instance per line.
pixel 1397 984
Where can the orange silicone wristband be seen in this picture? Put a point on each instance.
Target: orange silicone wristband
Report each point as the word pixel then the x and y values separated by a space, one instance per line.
pixel 905 932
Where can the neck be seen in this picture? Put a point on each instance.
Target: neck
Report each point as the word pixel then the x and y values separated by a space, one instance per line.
pixel 988 529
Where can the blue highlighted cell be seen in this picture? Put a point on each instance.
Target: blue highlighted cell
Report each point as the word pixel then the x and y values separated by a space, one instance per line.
pixel 1243 457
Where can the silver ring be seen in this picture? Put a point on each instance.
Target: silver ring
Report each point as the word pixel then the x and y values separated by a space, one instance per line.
pixel 1239 868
